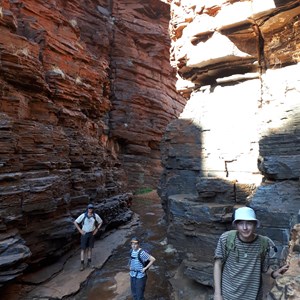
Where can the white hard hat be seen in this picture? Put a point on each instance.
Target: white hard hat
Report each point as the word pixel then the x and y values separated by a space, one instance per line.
pixel 245 214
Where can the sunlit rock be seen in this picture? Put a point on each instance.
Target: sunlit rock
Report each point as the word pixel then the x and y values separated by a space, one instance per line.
pixel 237 141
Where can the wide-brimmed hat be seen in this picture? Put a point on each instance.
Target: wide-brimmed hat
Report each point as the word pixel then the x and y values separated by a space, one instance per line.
pixel 245 214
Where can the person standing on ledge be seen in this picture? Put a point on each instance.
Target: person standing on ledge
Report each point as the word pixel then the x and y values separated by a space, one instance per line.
pixel 240 258
pixel 140 262
pixel 89 219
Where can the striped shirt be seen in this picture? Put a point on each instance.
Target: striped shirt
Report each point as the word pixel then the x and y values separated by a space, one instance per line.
pixel 241 275
pixel 136 266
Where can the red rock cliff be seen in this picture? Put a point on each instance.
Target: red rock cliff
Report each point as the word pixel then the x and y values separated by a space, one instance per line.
pixel 86 93
pixel 143 95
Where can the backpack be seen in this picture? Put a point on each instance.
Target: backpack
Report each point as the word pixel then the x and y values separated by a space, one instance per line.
pixel 230 244
pixel 144 263
pixel 86 216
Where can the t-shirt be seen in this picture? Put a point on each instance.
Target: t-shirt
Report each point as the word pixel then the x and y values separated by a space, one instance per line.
pixel 136 266
pixel 241 275
pixel 89 223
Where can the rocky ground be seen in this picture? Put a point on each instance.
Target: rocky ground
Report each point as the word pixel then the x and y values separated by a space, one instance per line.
pixel 64 278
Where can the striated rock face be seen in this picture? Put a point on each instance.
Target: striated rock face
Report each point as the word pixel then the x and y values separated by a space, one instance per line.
pixel 86 93
pixel 56 155
pixel 13 254
pixel 237 141
pixel 144 99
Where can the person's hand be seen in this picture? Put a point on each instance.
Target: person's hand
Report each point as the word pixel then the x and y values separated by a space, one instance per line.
pixel 218 297
pixel 95 231
pixel 283 269
pixel 82 232
pixel 280 271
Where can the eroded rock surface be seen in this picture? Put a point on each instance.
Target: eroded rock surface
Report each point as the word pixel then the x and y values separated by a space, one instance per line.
pixel 86 93
pixel 237 140
pixel 288 286
pixel 14 253
pixel 144 97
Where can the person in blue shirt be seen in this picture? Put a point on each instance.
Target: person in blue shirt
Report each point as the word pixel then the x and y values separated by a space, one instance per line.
pixel 138 276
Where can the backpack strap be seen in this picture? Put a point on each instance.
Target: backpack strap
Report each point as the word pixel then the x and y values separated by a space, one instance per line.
pixel 138 256
pixel 230 243
pixel 86 216
pixel 264 246
pixel 96 222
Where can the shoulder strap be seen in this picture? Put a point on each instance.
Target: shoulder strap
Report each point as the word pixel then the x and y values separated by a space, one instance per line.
pixel 85 215
pixel 94 215
pixel 139 256
pixel 264 245
pixel 230 242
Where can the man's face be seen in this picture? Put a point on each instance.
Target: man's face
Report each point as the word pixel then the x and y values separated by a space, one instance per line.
pixel 246 229
pixel 90 210
pixel 134 245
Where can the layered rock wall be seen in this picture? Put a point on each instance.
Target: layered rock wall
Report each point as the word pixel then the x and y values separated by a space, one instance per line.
pixel 86 93
pixel 237 141
pixel 56 154
pixel 144 98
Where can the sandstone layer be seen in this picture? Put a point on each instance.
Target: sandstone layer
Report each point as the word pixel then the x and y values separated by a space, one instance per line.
pixel 144 98
pixel 86 93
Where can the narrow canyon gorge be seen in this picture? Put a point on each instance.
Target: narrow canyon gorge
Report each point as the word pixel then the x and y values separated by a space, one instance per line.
pixel 102 99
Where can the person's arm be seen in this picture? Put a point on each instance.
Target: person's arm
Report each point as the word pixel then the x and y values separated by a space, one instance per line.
pixel 78 228
pixel 152 260
pixel 279 272
pixel 217 279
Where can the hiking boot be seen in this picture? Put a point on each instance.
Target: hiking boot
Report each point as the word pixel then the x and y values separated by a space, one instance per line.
pixel 81 267
pixel 90 265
